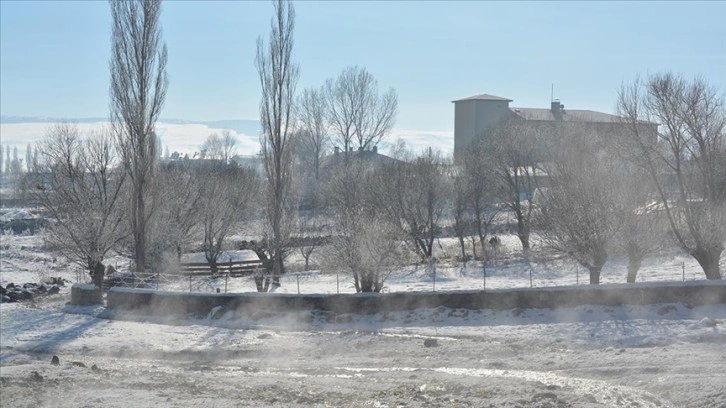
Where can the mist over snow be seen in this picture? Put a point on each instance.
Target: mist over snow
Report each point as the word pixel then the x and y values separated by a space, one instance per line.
pixel 187 136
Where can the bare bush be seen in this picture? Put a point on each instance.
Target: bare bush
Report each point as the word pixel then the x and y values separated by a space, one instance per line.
pixel 367 246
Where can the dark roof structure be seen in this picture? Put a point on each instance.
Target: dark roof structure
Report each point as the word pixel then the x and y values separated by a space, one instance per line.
pixel 567 115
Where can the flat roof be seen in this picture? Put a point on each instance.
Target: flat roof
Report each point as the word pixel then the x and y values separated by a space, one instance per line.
pixel 483 97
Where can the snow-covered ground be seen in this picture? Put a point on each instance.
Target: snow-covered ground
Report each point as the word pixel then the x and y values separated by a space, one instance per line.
pixel 644 356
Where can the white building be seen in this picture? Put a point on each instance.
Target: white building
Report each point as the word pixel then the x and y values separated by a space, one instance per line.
pixel 474 115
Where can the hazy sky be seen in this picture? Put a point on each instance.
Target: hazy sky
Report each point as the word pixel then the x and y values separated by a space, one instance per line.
pixel 54 55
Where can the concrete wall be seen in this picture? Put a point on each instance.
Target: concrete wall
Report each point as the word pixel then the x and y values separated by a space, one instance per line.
pixel 473 117
pixel 86 295
pixel 180 303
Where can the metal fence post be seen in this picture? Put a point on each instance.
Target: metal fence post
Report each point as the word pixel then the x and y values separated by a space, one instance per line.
pixel 484 269
pixel 434 279
pixel 226 278
pixel 531 282
pixel 190 283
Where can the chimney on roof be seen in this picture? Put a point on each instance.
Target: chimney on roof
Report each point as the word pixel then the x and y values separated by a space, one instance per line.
pixel 375 149
pixel 337 150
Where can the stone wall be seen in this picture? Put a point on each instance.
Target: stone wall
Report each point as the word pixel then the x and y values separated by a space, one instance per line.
pixel 181 303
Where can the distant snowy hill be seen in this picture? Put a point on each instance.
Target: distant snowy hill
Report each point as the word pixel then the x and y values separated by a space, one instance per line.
pixel 186 136
pixel 178 135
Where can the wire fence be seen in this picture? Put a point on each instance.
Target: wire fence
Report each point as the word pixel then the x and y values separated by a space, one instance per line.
pixel 473 275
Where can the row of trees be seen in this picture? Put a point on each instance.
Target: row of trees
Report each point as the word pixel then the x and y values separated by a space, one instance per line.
pixel 109 191
pixel 81 181
pixel 14 165
pixel 597 196
pixel 621 187
pixel 588 190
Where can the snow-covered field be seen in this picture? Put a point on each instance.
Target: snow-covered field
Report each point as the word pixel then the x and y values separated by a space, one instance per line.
pixel 645 356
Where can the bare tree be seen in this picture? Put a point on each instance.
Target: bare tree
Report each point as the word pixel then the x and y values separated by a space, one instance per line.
pixel 642 226
pixel 80 185
pixel 513 148
pixel 178 212
pixel 221 148
pixel 314 138
pixel 685 160
pixel 138 89
pixel 480 184
pixel 228 193
pixel 28 158
pixel 461 212
pixel 580 210
pixel 356 111
pixel 310 233
pixel 414 196
pixel 278 78
pixel 7 161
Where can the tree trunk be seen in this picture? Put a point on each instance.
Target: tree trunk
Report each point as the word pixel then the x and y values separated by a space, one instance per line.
pixel 523 232
pixel 356 281
pixel 278 268
pixel 259 282
pixel 97 273
pixel 634 262
pixel 595 275
pixel 462 244
pixel 708 258
pixel 633 267
pixel 599 259
pixel 140 231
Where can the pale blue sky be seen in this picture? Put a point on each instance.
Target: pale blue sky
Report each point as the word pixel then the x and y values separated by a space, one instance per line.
pixel 54 55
